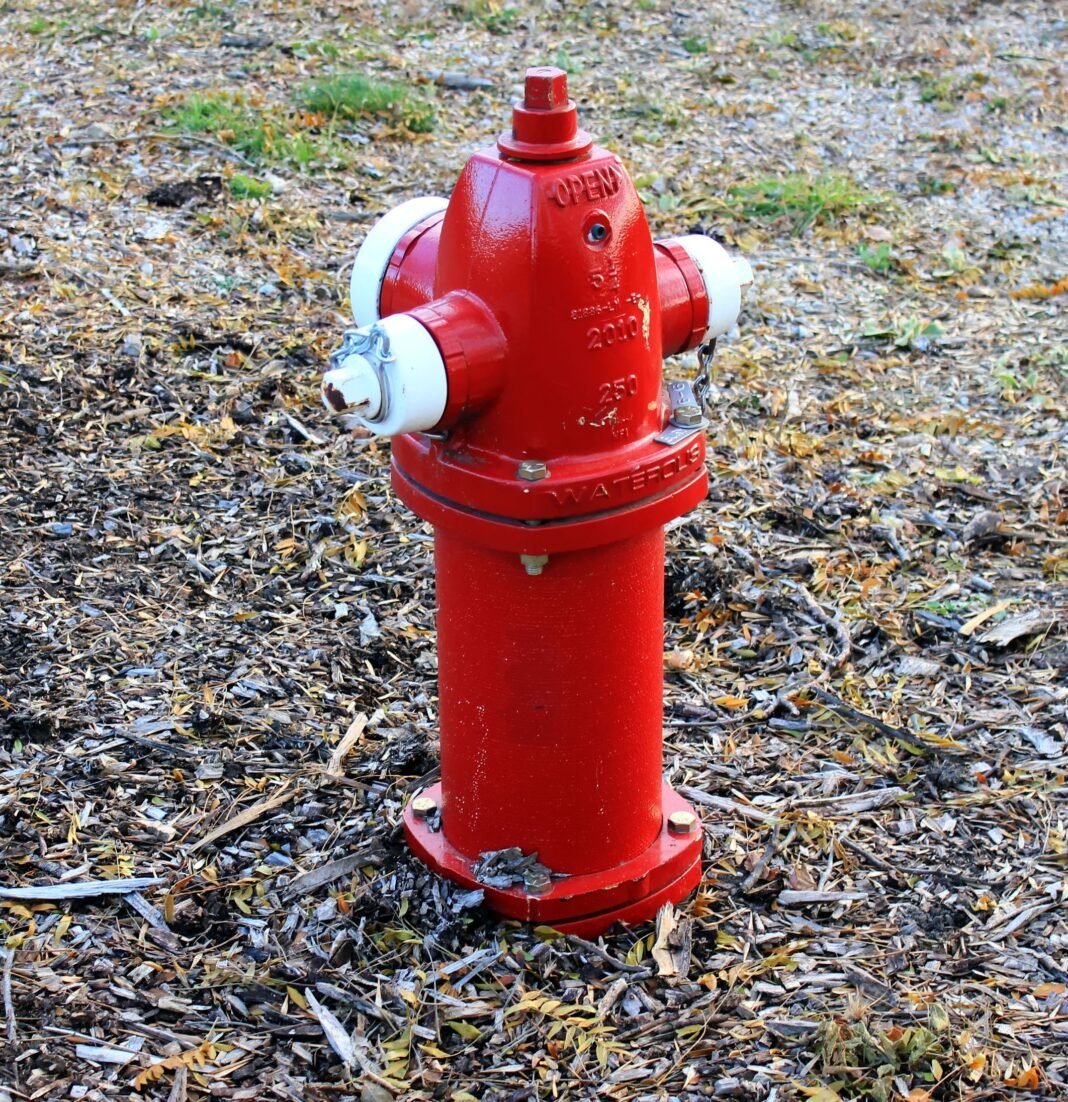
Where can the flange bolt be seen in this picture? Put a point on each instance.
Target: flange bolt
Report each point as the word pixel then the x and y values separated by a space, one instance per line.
pixel 423 807
pixel 682 822
pixel 532 470
pixel 537 880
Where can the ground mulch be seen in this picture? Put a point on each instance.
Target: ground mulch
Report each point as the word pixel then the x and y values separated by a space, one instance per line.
pixel 217 664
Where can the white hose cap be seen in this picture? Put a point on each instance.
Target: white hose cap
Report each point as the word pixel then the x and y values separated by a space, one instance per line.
pixel 372 260
pixel 356 381
pixel 724 277
pixel 396 384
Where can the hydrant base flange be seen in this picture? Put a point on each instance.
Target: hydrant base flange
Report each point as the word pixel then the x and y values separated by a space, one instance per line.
pixel 585 903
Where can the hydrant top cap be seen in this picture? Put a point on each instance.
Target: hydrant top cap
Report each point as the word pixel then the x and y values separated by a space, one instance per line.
pixel 545 123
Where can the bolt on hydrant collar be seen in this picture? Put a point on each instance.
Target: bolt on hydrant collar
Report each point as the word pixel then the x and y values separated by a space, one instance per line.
pixel 545 122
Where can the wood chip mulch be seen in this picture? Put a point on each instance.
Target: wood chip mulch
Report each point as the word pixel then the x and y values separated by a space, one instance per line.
pixel 217 664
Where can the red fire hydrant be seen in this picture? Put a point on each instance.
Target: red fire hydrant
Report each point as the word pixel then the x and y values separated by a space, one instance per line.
pixel 511 343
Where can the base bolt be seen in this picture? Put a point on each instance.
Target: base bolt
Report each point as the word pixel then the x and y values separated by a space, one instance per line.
pixel 532 470
pixel 537 881
pixel 534 563
pixel 423 807
pixel 687 416
pixel 682 822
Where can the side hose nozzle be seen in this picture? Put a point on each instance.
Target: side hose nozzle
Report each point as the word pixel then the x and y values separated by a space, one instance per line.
pixel 724 277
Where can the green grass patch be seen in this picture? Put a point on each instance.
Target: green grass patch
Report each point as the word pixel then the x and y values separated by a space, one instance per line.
pixel 315 48
pixel 877 258
pixel 944 91
pixel 911 333
pixel 801 199
pixel 38 25
pixel 494 17
pixel 248 187
pixel 354 96
pixel 260 136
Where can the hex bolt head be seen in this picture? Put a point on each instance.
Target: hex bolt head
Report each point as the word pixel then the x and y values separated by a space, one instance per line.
pixel 537 881
pixel 532 470
pixel 423 807
pixel 687 416
pixel 682 822
pixel 533 564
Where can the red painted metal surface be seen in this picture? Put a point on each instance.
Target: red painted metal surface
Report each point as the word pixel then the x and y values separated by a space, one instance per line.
pixel 553 311
pixel 668 869
pixel 576 676
pixel 683 298
pixel 409 278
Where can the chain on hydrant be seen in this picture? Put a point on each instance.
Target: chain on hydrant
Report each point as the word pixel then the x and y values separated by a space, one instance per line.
pixel 510 340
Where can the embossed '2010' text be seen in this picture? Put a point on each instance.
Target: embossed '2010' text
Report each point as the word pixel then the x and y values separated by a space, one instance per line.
pixel 612 332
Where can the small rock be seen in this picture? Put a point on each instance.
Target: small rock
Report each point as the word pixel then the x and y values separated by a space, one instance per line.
pixel 463 82
pixel 131 346
pixel 982 525
pixel 246 41
pixel 369 629
pixel 98 132
pixel 155 229
pixel 60 529
pixel 242 413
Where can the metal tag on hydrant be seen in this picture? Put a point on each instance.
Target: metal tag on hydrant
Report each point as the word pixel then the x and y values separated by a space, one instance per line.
pixel 511 341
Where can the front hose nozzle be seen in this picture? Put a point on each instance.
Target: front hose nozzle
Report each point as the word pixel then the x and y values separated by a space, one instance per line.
pixel 353 385
pixel 390 375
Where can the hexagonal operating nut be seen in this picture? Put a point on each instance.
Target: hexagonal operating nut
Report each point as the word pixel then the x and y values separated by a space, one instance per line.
pixel 687 416
pixel 532 470
pixel 545 88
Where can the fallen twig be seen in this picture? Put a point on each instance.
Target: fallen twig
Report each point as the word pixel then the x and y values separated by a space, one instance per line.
pixel 605 955
pixel 333 870
pixel 243 818
pixel 9 1005
pixel 336 766
pixel 84 889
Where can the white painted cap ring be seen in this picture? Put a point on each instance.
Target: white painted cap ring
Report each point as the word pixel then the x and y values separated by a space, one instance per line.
pixel 724 276
pixel 372 260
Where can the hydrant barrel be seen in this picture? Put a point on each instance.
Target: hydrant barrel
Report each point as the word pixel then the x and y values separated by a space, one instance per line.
pixel 563 756
pixel 511 342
